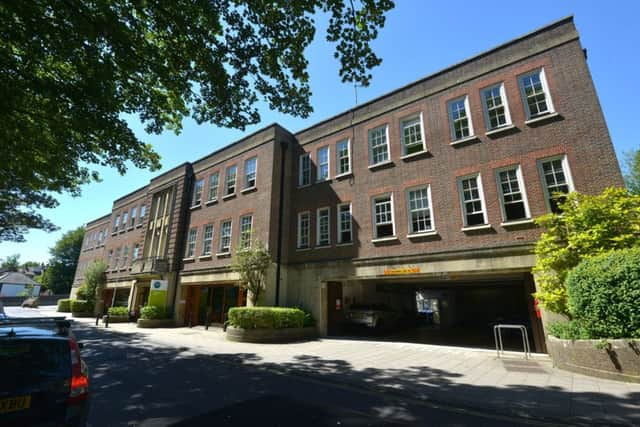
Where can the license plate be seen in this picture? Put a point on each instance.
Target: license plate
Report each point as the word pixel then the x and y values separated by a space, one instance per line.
pixel 13 404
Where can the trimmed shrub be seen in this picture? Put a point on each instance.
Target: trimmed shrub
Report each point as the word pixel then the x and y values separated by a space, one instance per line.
pixel 152 312
pixel 571 330
pixel 64 305
pixel 118 311
pixel 309 320
pixel 81 306
pixel 266 317
pixel 604 295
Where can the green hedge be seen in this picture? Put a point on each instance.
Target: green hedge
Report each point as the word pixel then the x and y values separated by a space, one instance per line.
pixel 82 293
pixel 64 305
pixel 266 317
pixel 151 312
pixel 81 306
pixel 118 311
pixel 604 296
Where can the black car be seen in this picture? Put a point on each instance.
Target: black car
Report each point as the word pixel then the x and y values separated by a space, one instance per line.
pixel 43 379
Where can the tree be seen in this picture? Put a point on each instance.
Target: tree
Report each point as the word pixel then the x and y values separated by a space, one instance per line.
pixel 632 167
pixel 10 263
pixel 95 279
pixel 72 70
pixel 588 226
pixel 64 259
pixel 252 264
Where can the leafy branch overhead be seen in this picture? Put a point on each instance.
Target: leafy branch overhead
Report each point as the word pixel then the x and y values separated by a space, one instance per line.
pixel 73 71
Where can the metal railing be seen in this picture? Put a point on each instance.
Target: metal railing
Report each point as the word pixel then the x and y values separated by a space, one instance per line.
pixel 497 336
pixel 150 265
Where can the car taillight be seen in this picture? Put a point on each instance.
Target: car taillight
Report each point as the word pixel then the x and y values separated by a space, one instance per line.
pixel 79 381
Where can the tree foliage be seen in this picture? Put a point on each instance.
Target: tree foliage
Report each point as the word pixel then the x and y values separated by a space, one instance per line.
pixel 588 226
pixel 632 169
pixel 72 71
pixel 252 264
pixel 64 258
pixel 95 279
pixel 10 263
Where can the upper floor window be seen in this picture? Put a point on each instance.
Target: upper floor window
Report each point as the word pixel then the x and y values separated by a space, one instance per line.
pixel 116 258
pixel 125 255
pixel 133 216
pixel 116 224
pixel 191 242
pixel 250 167
pixel 535 94
pixel 125 219
pixel 197 192
pixel 136 252
pixel 304 174
pixel 246 225
pixel 303 230
pixel 100 237
pixel 512 196
pixel 343 157
pixel 213 186
pixel 383 217
pixel 472 199
pixel 378 145
pixel 344 223
pixel 412 135
pixel 323 227
pixel 419 210
pixel 225 236
pixel 460 119
pixel 556 181
pixel 323 164
pixel 230 180
pixel 496 109
pixel 207 239
pixel 109 256
pixel 143 211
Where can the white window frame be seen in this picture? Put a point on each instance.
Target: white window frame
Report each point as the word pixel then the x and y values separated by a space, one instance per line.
pixel 223 236
pixel 143 212
pixel 301 158
pixel 327 165
pixel 467 109
pixel 254 173
pixel 339 173
pixel 196 198
pixel 299 235
pixel 214 183
pixel 207 240
pixel 403 124
pixel 328 210
pixel 192 238
pixel 409 211
pixel 229 183
pixel 505 105
pixel 339 222
pixel 483 203
pixel 388 148
pixel 374 199
pixel 523 192
pixel 125 220
pixel 116 224
pixel 136 252
pixel 567 174
pixel 545 88
pixel 242 242
pixel 125 255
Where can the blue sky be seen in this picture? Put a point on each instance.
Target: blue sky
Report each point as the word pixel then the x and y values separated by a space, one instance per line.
pixel 420 37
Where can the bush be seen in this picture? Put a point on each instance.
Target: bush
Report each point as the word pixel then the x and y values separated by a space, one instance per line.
pixel 571 330
pixel 266 317
pixel 64 305
pixel 81 306
pixel 82 292
pixel 604 295
pixel 309 320
pixel 153 312
pixel 118 311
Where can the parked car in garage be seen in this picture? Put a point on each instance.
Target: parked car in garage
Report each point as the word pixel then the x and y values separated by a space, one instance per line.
pixel 374 316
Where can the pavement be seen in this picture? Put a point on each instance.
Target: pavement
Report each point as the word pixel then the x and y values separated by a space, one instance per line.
pixel 448 377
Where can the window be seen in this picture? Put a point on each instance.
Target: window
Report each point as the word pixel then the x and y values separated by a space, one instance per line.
pixel 378 146
pixel 323 227
pixel 535 94
pixel 136 252
pixel 225 236
pixel 191 242
pixel 303 230
pixel 109 256
pixel 512 197
pixel 207 238
pixel 125 219
pixel 116 224
pixel 116 259
pixel 383 217
pixel 459 119
pixel 100 237
pixel 419 210
pixel 473 212
pixel 245 231
pixel 230 181
pixel 197 192
pixel 496 110
pixel 323 164
pixel 343 157
pixel 143 210
pixel 125 255
pixel 412 136
pixel 556 181
pixel 133 216
pixel 250 166
pixel 304 175
pixel 344 223
pixel 213 186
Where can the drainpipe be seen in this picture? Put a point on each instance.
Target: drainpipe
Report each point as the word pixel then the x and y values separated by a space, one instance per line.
pixel 283 147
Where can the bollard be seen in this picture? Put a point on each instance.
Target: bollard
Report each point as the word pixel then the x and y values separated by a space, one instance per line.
pixel 97 319
pixel 106 322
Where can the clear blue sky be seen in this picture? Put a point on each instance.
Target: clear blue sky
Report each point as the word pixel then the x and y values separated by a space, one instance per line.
pixel 420 37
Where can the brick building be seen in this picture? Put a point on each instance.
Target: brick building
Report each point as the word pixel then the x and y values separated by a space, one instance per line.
pixel 424 196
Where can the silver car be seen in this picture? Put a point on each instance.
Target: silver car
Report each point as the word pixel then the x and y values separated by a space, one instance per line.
pixel 375 316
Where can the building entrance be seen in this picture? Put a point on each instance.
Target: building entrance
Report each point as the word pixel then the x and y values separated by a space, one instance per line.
pixel 211 303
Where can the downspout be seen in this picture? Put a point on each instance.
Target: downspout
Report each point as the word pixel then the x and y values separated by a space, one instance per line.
pixel 283 147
